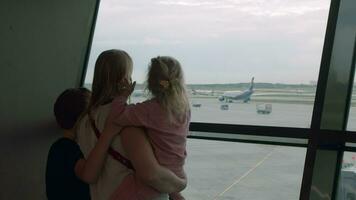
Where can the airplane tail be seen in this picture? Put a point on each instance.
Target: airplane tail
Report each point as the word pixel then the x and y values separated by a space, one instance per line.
pixel 252 83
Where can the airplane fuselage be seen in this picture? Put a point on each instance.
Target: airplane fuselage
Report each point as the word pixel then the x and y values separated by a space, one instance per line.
pixel 245 96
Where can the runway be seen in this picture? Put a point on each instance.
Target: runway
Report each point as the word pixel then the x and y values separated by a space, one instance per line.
pixel 285 115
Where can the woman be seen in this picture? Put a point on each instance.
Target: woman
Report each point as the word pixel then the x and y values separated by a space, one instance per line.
pixel 104 172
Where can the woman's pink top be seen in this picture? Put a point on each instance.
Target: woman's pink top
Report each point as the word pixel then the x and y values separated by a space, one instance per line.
pixel 168 140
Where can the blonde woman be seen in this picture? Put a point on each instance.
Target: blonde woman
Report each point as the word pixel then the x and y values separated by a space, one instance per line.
pixel 104 172
pixel 165 117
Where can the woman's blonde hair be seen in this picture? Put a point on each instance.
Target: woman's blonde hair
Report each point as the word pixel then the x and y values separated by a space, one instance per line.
pixel 165 81
pixel 111 67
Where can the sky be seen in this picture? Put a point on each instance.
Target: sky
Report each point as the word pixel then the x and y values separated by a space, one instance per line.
pixel 217 41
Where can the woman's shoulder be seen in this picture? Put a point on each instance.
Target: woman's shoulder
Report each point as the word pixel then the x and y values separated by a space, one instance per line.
pixel 149 104
pixel 85 133
pixel 103 109
pixel 149 101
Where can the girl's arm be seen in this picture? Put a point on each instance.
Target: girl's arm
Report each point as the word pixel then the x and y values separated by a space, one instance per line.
pixel 129 115
pixel 140 152
pixel 89 170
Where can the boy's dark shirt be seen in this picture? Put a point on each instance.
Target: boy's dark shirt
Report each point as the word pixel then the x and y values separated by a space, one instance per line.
pixel 61 181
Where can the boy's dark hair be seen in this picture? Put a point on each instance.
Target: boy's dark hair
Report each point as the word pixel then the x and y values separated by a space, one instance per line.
pixel 70 105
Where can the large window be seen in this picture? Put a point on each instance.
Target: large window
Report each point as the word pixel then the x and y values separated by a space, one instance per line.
pixel 222 46
pixel 252 72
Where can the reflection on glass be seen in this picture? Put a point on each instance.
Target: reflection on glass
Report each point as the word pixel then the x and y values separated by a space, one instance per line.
pixel 347 180
pixel 351 124
pixel 223 46
pixel 229 170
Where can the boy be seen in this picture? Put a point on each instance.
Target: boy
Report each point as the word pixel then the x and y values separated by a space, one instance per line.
pixel 61 181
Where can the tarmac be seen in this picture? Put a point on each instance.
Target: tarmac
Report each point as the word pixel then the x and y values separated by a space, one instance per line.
pixel 240 171
pixel 243 171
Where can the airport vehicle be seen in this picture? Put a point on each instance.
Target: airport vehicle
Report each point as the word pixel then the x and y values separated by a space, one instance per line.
pixel 224 107
pixel 264 108
pixel 196 105
pixel 244 96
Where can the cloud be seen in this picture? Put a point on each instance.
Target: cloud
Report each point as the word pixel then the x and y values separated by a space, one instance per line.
pixel 158 41
pixel 146 41
pixel 271 8
pixel 210 35
pixel 187 3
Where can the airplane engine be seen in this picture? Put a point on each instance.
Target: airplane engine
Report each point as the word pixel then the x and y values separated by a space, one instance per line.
pixel 221 98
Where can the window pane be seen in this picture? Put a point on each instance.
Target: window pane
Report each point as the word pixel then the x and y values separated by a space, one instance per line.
pixel 230 170
pixel 347 54
pixel 352 117
pixel 342 64
pixel 351 124
pixel 222 46
pixel 347 179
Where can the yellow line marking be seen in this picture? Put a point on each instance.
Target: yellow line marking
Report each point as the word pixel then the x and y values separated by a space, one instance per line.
pixel 245 175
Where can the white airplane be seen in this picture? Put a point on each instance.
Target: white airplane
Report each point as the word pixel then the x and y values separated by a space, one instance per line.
pixel 245 96
pixel 203 92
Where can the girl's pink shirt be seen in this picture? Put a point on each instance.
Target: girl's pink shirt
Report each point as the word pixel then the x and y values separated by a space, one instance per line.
pixel 168 140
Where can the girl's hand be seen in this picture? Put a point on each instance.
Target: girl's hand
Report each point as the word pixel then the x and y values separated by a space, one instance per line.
pixel 126 87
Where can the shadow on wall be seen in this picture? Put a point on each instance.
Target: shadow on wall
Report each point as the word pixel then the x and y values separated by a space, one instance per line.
pixel 23 163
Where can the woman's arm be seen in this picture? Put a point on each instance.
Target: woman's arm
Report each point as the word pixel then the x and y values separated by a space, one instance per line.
pixel 140 152
pixel 89 170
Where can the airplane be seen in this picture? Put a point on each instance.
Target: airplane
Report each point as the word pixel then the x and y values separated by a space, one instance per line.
pixel 245 96
pixel 203 92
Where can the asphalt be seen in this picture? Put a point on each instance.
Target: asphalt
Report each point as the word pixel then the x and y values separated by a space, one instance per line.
pixel 229 170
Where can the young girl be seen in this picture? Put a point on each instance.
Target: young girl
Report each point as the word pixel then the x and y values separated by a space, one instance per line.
pixel 105 173
pixel 165 117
